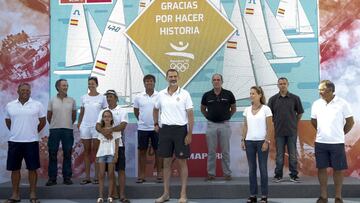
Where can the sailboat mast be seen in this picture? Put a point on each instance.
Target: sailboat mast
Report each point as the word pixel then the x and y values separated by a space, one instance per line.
pixel 262 2
pixel 297 16
pixel 88 33
pixel 128 74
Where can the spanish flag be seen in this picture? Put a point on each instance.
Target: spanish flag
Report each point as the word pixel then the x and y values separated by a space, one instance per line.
pixel 74 22
pixel 250 11
pixel 231 45
pixel 142 4
pixel 100 65
pixel 281 11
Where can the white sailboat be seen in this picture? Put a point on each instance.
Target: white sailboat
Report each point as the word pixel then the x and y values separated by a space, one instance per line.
pixel 245 64
pixel 82 43
pixel 291 16
pixel 116 65
pixel 269 33
pixel 78 48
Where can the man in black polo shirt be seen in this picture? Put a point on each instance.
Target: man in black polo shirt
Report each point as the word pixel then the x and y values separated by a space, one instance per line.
pixel 287 111
pixel 218 105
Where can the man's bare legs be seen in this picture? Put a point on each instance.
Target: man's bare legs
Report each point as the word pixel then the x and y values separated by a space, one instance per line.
pixel 338 182
pixel 323 178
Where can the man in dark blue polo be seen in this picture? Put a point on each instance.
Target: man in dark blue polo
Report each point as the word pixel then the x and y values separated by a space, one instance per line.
pixel 287 111
pixel 218 105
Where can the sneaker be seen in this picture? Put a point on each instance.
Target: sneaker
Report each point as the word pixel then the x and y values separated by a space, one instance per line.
pixel 295 179
pixel 277 179
pixel 51 182
pixel 67 181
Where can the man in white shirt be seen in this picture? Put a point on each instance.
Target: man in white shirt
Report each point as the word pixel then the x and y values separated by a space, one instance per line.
pixel 177 119
pixel 25 118
pixel 143 110
pixel 332 118
pixel 120 121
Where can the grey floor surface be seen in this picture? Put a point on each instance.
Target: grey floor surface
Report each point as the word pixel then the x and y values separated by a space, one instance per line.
pixel 275 200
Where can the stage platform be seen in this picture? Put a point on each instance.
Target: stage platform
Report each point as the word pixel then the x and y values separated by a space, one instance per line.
pixel 237 188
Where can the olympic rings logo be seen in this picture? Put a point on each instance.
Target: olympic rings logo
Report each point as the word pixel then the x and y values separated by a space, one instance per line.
pixel 181 67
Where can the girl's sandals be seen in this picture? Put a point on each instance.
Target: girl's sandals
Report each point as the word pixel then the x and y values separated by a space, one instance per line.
pixel 100 200
pixel 251 199
pixel 85 181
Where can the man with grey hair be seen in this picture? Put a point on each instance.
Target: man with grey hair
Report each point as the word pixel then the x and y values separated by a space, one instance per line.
pixel 332 118
pixel 61 116
pixel 218 105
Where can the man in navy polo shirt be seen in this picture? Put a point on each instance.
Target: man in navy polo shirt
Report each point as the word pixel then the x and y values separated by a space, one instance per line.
pixel 218 105
pixel 25 118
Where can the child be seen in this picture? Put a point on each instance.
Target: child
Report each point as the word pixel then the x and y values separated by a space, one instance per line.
pixel 107 154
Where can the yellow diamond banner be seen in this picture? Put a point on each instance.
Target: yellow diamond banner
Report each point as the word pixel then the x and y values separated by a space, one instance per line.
pixel 180 34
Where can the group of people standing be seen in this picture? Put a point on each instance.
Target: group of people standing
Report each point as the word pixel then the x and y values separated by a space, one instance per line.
pixel 165 122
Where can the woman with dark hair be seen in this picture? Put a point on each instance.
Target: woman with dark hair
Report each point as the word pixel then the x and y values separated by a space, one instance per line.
pixel 91 105
pixel 255 141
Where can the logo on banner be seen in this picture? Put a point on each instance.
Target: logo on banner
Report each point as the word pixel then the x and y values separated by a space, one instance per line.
pixel 180 34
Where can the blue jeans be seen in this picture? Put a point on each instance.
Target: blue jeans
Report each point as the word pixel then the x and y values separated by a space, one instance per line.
pixel 66 137
pixel 290 142
pixel 253 148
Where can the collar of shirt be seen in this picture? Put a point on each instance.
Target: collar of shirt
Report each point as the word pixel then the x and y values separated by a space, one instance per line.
pixel 287 94
pixel 175 93
pixel 28 101
pixel 153 95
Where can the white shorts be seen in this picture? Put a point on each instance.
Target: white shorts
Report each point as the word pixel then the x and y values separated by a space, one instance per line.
pixel 87 133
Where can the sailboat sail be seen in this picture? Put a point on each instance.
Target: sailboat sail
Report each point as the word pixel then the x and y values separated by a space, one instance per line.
pixel 291 16
pixel 78 49
pixel 94 33
pixel 262 20
pixel 265 76
pixel 238 69
pixel 280 45
pixel 245 64
pixel 116 65
pixel 254 16
pixel 135 75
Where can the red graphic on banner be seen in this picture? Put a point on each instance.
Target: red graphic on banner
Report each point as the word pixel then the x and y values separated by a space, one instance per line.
pixel 84 1
pixel 99 1
pixel 72 1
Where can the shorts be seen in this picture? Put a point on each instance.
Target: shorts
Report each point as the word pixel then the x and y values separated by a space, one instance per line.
pixel 330 155
pixel 87 133
pixel 144 137
pixel 105 159
pixel 17 151
pixel 172 140
pixel 120 164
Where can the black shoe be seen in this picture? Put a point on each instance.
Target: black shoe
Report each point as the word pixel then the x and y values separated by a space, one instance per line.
pixel 67 181
pixel 277 179
pixel 295 179
pixel 51 182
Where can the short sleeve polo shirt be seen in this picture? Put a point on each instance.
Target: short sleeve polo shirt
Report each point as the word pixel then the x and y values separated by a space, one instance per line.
pixel 330 120
pixel 173 108
pixel 24 120
pixel 218 106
